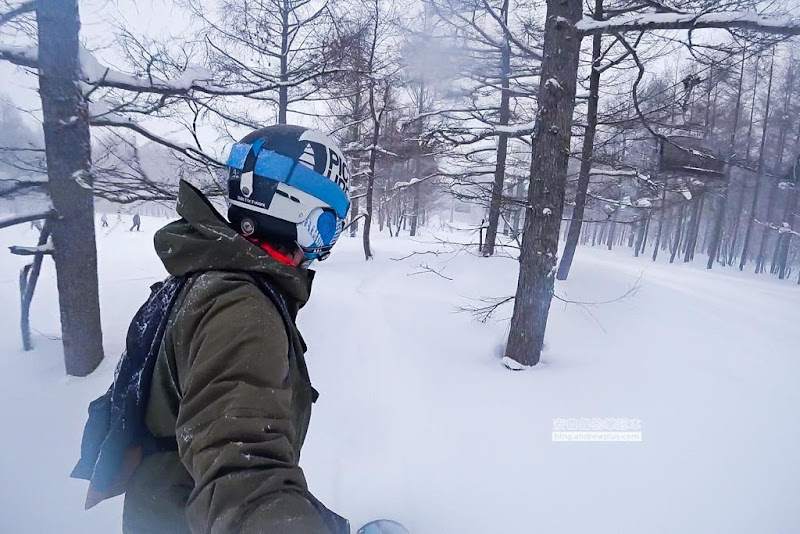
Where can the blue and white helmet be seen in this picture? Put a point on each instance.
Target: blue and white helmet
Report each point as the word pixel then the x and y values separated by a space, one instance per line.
pixel 291 185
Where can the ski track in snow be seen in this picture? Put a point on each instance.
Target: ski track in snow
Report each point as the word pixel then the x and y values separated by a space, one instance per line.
pixel 418 421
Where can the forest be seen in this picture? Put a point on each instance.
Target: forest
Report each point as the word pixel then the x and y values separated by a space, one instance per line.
pixel 569 221
pixel 664 127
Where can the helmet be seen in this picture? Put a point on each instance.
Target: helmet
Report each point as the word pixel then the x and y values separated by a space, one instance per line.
pixel 291 185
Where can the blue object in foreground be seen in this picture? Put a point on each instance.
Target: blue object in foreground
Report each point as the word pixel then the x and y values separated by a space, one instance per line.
pixel 383 526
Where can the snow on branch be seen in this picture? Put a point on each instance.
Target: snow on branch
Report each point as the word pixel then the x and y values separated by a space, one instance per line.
pixel 194 79
pixel 782 228
pixel 20 55
pixel 675 21
pixel 20 219
pixel 97 74
pixel 517 130
pixel 32 251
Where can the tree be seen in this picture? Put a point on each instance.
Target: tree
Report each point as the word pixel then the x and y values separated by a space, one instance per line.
pixel 551 146
pixel 716 238
pixel 68 149
pixel 497 65
pixel 761 170
pixel 551 149
pixel 273 53
pixel 587 154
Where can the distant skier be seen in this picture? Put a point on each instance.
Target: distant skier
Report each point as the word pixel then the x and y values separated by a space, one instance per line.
pixel 104 221
pixel 37 225
pixel 137 223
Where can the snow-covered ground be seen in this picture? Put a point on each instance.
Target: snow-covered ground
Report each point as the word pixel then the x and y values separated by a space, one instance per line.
pixel 418 421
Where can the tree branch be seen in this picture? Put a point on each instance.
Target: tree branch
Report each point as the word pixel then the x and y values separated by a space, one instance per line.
pixel 673 21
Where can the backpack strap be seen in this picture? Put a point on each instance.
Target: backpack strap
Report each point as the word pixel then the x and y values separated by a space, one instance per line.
pixel 277 298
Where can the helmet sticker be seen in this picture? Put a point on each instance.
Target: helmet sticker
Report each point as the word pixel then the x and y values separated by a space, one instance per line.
pixel 333 167
pixel 308 159
pixel 246 184
pixel 238 155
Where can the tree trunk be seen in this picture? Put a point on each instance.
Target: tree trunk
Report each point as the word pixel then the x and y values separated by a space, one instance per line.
pixel 283 90
pixel 415 208
pixel 549 158
pixel 761 154
pixel 716 236
pixel 496 201
pixel 678 233
pixel 28 279
pixel 587 154
pixel 737 221
pixel 786 238
pixel 612 232
pixel 661 217
pixel 515 217
pixel 766 232
pixel 68 151
pixel 354 217
pixel 376 130
pixel 643 225
pixel 694 227
pixel 418 161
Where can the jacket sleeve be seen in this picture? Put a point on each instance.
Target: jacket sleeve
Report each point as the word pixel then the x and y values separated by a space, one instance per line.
pixel 234 427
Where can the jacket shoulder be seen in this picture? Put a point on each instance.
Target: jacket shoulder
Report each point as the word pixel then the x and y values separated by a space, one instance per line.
pixel 228 313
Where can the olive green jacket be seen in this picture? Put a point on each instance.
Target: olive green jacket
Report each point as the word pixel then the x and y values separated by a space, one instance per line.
pixel 225 386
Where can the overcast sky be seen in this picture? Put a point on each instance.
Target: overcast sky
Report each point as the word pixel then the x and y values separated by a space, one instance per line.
pixel 100 20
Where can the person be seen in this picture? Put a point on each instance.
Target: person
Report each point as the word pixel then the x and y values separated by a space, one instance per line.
pixel 137 223
pixel 230 386
pixel 104 221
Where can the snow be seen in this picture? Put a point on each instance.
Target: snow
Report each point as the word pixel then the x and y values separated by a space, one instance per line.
pixel 516 129
pixel 689 20
pixel 27 53
pixel 553 84
pixel 46 248
pixel 418 420
pixel 514 365
pixel 193 77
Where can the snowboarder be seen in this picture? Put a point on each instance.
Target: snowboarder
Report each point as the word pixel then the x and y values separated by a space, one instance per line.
pixel 104 221
pixel 230 389
pixel 137 223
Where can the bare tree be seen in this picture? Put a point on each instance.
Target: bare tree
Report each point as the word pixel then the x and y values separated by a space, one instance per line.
pixel 67 141
pixel 273 53
pixel 551 149
pixel 761 169
pixel 496 52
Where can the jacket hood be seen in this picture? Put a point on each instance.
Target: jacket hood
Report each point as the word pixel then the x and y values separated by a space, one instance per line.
pixel 202 240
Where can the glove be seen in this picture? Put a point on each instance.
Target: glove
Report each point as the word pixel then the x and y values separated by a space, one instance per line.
pixel 383 526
